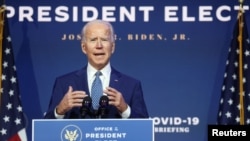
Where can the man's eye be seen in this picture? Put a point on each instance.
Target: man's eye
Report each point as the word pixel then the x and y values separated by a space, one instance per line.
pixel 105 39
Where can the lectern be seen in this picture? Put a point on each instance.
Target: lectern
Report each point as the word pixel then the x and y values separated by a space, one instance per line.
pixel 92 130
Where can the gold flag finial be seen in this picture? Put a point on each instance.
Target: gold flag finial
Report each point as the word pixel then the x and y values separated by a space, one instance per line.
pixel 2 8
pixel 241 10
pixel 241 3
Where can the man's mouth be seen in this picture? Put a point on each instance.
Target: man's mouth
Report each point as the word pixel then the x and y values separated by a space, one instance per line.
pixel 99 54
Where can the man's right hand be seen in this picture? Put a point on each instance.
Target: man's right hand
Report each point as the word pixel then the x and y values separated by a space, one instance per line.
pixel 71 99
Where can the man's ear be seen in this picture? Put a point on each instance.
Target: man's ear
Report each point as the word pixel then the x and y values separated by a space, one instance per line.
pixel 83 47
pixel 113 48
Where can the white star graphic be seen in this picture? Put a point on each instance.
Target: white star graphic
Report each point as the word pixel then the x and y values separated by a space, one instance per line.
pixel 6 118
pixel 19 109
pixel 247 53
pixel 230 101
pixel 232 89
pixel 228 115
pixel 7 51
pixel 13 79
pixel 9 39
pixel 237 119
pixel 3 77
pixel 17 121
pixel 9 106
pixel 5 64
pixel 11 92
pixel 3 131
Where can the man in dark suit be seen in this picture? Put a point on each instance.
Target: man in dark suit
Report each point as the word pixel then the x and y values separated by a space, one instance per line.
pixel 124 93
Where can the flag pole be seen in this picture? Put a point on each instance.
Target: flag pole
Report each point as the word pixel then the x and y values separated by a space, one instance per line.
pixel 2 10
pixel 241 89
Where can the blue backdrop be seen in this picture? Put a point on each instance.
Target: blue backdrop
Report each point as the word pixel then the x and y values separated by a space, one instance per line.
pixel 177 48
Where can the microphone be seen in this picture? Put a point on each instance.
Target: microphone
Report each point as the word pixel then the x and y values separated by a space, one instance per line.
pixel 86 105
pixel 103 107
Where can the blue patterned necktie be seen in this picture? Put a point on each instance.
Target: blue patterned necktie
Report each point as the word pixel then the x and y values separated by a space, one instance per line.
pixel 96 90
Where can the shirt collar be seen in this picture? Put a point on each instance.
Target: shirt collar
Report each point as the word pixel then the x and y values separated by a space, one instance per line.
pixel 105 71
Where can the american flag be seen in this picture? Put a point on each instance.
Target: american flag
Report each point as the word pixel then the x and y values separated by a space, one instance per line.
pixel 12 121
pixel 234 108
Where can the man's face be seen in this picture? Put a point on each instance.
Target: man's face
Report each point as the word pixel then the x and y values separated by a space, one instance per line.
pixel 98 45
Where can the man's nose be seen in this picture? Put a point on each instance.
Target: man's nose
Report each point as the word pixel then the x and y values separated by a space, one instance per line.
pixel 99 43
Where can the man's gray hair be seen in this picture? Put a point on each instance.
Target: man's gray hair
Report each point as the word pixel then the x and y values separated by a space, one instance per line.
pixel 83 33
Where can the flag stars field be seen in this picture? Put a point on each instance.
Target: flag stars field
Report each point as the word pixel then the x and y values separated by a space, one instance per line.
pixel 13 126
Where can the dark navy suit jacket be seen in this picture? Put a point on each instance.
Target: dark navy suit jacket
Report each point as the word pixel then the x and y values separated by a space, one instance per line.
pixel 128 86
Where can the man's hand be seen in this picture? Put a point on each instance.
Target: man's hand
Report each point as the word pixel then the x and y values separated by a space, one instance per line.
pixel 116 99
pixel 71 99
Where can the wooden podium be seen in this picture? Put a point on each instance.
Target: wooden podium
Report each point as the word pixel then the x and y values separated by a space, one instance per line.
pixel 92 130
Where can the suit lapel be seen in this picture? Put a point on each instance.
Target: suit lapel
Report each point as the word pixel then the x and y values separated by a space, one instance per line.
pixel 82 80
pixel 115 78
